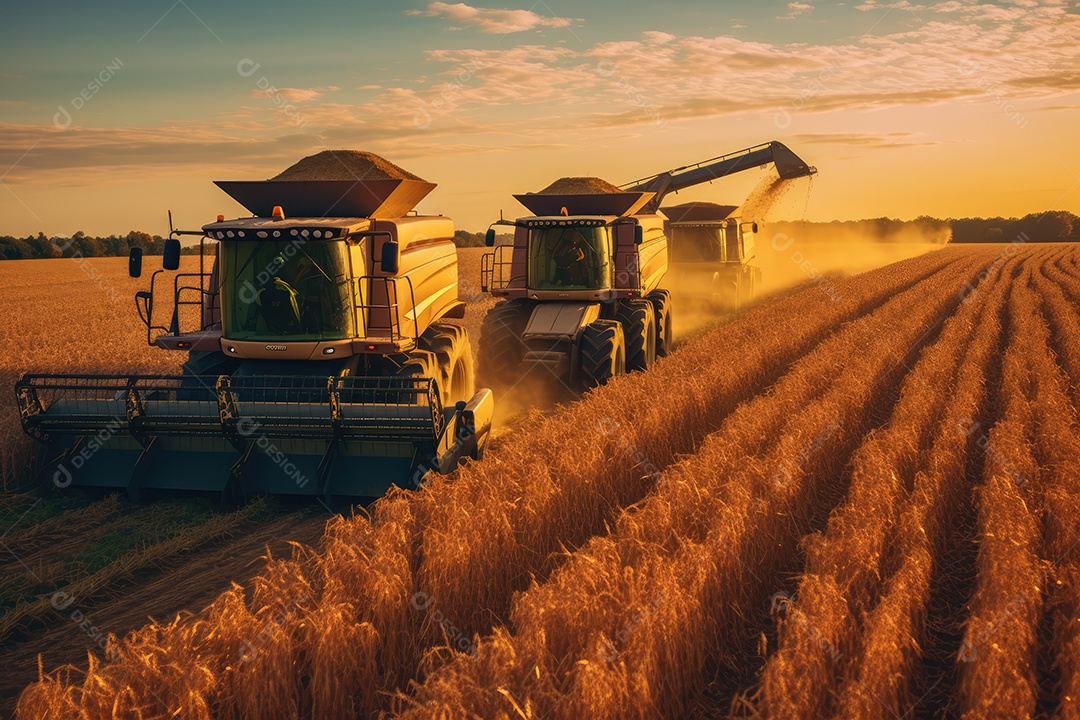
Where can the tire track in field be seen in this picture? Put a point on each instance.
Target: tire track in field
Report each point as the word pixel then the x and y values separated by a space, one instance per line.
pixel 18 545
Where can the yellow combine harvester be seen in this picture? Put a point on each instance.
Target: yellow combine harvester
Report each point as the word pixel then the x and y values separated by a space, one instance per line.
pixel 321 364
pixel 710 247
pixel 582 282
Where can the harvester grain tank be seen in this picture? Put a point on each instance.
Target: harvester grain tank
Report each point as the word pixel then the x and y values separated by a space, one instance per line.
pixel 710 247
pixel 319 362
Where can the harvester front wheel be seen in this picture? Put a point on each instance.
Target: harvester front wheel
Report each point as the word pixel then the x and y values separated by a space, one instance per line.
pixel 602 353
pixel 665 337
pixel 638 320
pixel 501 346
pixel 419 364
pixel 450 344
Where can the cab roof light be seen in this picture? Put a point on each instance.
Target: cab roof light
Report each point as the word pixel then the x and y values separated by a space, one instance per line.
pixel 278 213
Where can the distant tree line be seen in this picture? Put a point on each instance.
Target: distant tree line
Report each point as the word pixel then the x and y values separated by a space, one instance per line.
pixel 78 245
pixel 1053 226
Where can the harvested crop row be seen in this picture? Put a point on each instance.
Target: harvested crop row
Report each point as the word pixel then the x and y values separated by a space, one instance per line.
pixel 47 566
pixel 418 572
pixel 846 564
pixel 689 561
pixel 87 586
pixel 57 528
pixel 998 678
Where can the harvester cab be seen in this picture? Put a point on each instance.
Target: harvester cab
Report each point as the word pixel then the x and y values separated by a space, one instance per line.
pixel 581 288
pixel 710 246
pixel 318 359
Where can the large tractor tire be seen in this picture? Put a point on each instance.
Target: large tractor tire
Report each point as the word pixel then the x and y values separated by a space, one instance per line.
pixel 419 364
pixel 665 336
pixel 422 364
pixel 755 281
pixel 453 355
pixel 638 320
pixel 602 353
pixel 501 346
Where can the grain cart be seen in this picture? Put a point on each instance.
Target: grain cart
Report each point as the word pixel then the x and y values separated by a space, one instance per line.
pixel 710 248
pixel 318 360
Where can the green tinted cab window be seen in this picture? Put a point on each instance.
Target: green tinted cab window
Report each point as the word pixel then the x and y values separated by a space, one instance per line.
pixel 276 289
pixel 570 258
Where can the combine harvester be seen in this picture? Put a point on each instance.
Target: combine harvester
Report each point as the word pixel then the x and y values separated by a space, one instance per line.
pixel 581 282
pixel 320 364
pixel 710 248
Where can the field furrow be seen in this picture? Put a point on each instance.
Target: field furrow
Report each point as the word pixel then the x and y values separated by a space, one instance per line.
pixel 1063 310
pixel 998 677
pixel 1058 443
pixel 692 559
pixel 896 499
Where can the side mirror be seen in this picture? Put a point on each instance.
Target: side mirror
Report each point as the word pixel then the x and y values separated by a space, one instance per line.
pixel 753 228
pixel 390 258
pixel 489 238
pixel 135 262
pixel 639 235
pixel 170 258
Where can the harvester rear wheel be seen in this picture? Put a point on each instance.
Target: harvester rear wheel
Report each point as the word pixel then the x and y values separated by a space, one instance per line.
pixel 665 338
pixel 638 320
pixel 602 353
pixel 501 346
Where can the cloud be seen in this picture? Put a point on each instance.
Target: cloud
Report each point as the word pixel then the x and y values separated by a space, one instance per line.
pixel 497 21
pixel 870 140
pixel 295 95
pixel 795 9
pixel 579 93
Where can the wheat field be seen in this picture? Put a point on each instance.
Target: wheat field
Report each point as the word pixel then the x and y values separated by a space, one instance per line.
pixel 855 499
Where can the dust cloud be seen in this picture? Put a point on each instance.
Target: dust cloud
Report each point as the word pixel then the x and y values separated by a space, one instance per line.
pixel 790 254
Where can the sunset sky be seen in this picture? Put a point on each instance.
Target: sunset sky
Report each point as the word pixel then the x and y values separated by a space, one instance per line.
pixel 112 113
